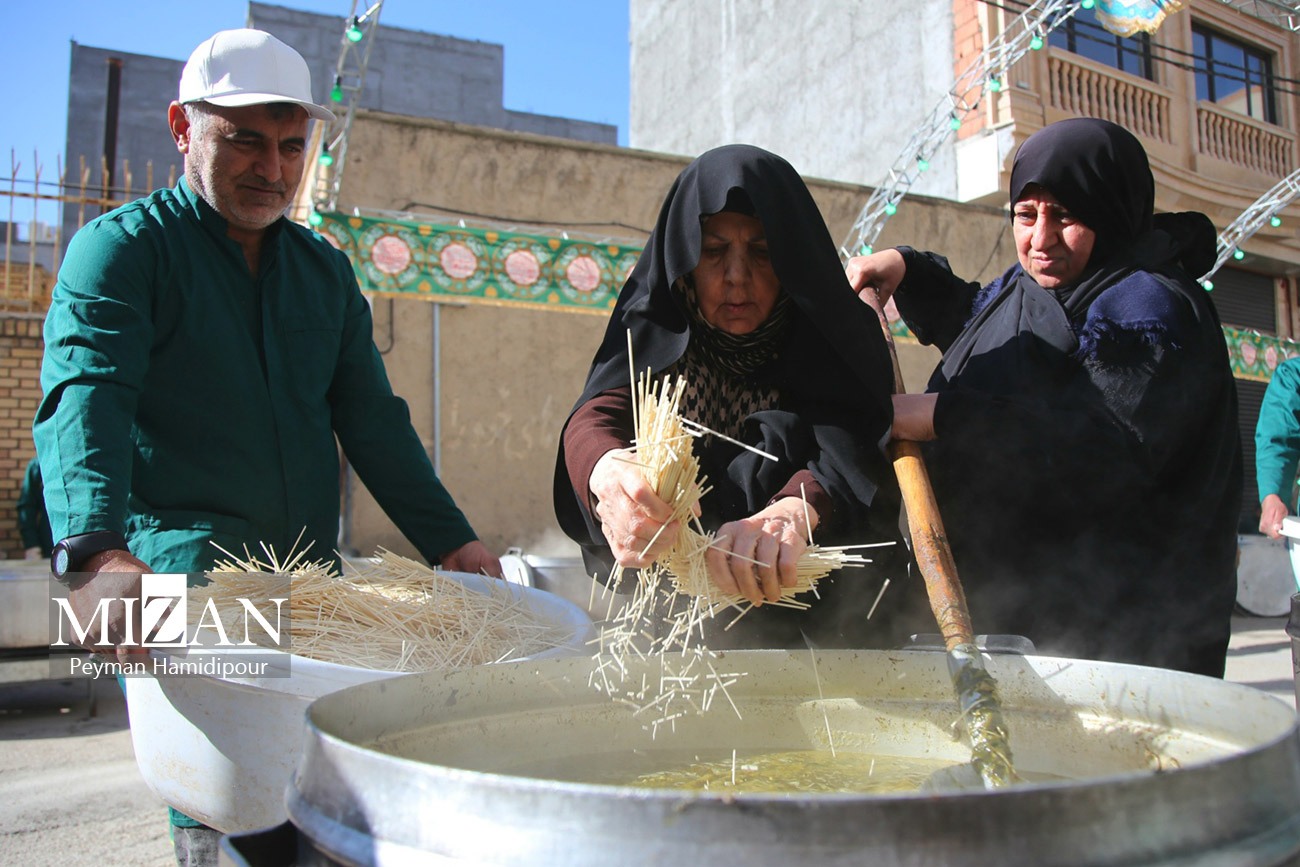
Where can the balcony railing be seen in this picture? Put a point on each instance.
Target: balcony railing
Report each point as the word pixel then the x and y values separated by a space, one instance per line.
pixel 1244 142
pixel 1087 91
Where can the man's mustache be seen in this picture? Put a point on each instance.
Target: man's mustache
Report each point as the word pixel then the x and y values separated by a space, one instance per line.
pixel 267 187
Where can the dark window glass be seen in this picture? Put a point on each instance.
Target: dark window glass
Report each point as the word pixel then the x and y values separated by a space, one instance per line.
pixel 1082 35
pixel 1201 52
pixel 1233 75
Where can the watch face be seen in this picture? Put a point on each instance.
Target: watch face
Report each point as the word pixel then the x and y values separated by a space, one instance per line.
pixel 60 563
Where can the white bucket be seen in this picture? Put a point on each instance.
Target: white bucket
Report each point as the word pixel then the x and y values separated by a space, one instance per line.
pixel 222 750
pixel 1265 580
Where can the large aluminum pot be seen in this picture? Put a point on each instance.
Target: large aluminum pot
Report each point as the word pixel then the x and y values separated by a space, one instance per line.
pixel 1165 769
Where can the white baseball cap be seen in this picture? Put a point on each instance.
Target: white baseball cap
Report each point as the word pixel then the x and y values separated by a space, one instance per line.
pixel 235 68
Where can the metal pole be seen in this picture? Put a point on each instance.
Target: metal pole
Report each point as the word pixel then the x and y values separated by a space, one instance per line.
pixel 437 388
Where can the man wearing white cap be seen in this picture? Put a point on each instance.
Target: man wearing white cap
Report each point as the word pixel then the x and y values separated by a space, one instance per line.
pixel 203 354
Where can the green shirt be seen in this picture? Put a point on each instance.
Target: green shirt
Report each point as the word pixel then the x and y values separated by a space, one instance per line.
pixel 189 402
pixel 33 523
pixel 1277 435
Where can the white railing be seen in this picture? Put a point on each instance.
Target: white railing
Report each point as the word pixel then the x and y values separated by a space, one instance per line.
pixel 1129 102
pixel 1243 141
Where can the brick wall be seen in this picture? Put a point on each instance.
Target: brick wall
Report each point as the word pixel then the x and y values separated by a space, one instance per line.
pixel 967 43
pixel 21 347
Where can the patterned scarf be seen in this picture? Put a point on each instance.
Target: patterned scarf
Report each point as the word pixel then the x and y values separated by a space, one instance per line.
pixel 722 371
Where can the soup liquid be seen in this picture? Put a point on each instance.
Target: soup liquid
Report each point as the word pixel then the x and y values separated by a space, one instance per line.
pixel 800 771
pixel 780 772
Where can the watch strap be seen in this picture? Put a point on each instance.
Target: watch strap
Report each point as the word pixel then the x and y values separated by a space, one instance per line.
pixel 71 554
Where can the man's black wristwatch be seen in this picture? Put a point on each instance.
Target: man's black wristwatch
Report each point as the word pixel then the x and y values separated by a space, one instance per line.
pixel 72 553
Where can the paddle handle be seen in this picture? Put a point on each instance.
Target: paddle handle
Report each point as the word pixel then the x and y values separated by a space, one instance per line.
pixel 929 541
pixel 930 545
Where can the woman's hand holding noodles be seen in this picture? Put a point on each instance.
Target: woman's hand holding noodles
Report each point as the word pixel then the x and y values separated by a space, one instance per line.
pixel 767 548
pixel 633 518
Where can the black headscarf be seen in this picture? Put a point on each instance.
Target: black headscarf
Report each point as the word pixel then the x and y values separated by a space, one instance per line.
pixel 1100 173
pixel 834 374
pixel 803 257
pixel 1097 170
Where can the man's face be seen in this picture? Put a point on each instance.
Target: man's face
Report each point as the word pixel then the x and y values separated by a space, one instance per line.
pixel 245 162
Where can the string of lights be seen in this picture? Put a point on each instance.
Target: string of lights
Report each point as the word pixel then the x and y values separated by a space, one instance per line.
pixel 1273 11
pixel 345 93
pixel 1263 210
pixel 987 72
pixel 1145 48
pixel 1282 14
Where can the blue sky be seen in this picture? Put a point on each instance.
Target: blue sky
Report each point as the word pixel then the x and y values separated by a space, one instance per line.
pixel 566 57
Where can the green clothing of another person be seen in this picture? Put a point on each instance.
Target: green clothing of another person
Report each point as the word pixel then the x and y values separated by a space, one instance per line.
pixel 188 401
pixel 1277 435
pixel 33 522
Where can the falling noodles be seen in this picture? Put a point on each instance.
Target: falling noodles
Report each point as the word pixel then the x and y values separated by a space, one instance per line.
pixel 674 596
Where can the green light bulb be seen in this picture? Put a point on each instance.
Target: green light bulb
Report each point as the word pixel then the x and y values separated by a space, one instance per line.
pixel 326 158
pixel 955 123
pixel 336 92
pixel 1209 287
pixel 995 85
pixel 1275 222
pixel 1088 4
pixel 891 209
pixel 1036 43
pixel 315 218
pixel 354 32
pixel 1238 255
pixel 866 250
pixel 922 163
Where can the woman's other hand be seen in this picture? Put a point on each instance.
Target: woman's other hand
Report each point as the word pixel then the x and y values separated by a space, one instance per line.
pixel 875 278
pixel 775 537
pixel 633 518
pixel 914 417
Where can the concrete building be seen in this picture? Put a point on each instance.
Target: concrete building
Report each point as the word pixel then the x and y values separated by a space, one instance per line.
pixel 839 87
pixel 834 86
pixel 117 101
pixel 419 74
pixel 117 125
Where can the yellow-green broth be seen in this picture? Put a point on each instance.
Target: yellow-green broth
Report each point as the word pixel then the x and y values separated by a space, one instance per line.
pixel 753 771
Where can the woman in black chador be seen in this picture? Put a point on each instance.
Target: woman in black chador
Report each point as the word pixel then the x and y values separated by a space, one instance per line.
pixel 739 291
pixel 1083 419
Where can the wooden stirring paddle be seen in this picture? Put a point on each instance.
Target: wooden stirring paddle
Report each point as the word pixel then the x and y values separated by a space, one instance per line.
pixel 976 689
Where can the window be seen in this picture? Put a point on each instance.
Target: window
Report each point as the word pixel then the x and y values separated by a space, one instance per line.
pixel 1083 35
pixel 1233 75
pixel 1246 299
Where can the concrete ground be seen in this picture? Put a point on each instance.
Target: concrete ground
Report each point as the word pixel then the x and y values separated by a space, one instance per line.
pixel 69 789
pixel 70 792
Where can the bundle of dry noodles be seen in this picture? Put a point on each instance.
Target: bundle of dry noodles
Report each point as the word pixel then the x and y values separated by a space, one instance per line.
pixel 388 613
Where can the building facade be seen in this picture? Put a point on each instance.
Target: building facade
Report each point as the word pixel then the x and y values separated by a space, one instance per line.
pixel 840 87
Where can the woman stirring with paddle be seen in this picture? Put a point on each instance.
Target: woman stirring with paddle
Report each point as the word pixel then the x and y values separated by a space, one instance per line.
pixel 1081 427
